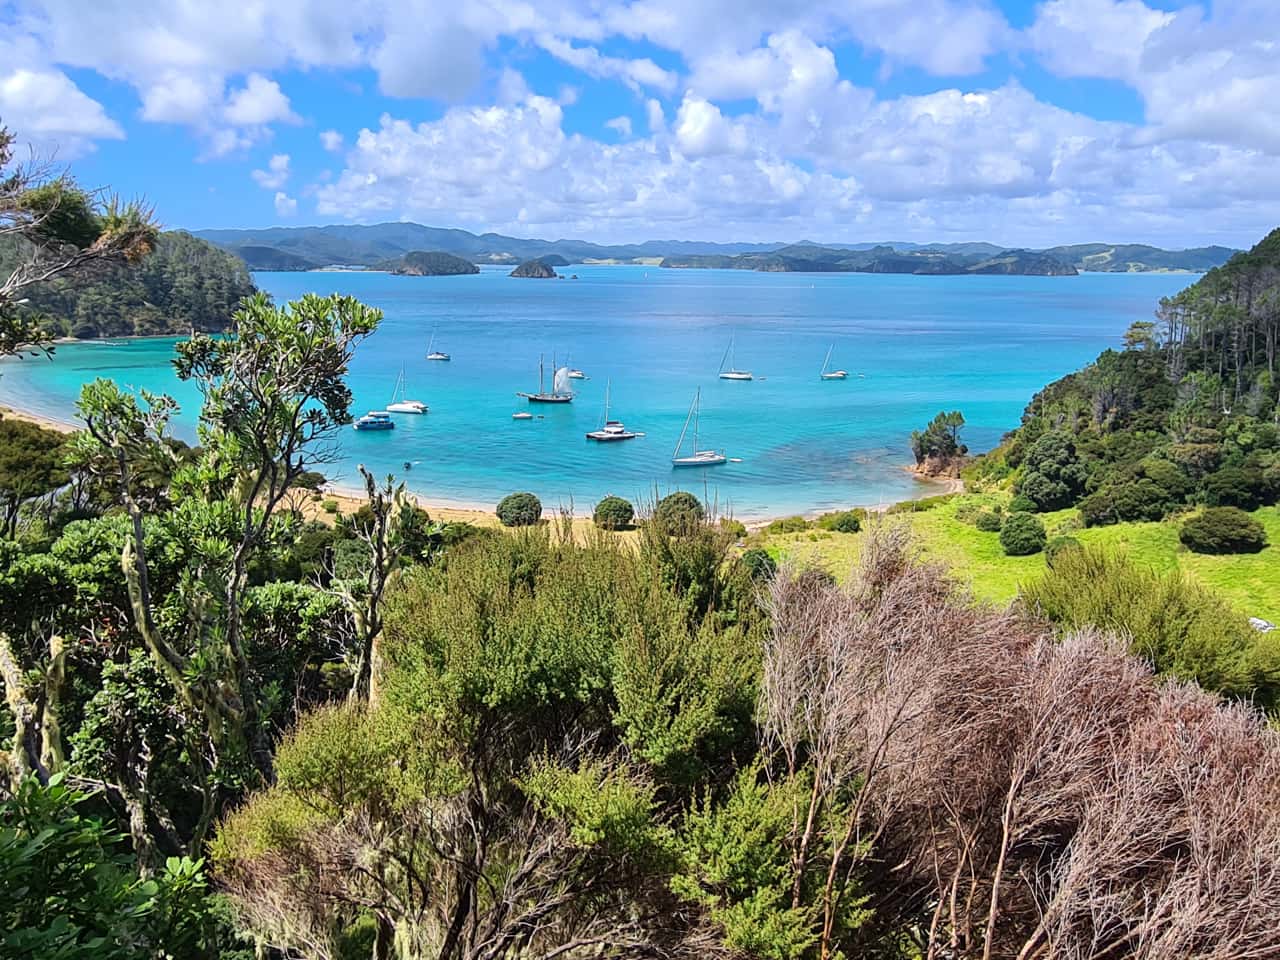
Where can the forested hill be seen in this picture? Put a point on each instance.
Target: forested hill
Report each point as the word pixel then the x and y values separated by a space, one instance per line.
pixel 185 282
pixel 807 258
pixel 1188 413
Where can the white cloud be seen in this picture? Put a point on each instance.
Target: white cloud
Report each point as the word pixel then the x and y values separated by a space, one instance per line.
pixel 331 140
pixel 637 73
pixel 286 206
pixel 621 126
pixel 46 108
pixel 702 130
pixel 258 103
pixel 276 174
pixel 1094 38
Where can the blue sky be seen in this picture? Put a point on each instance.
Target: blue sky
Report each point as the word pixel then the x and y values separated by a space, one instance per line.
pixel 1026 123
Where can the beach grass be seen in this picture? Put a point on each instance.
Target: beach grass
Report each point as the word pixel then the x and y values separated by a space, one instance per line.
pixel 1251 582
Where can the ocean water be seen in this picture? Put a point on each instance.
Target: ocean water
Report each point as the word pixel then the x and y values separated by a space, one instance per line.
pixel 912 345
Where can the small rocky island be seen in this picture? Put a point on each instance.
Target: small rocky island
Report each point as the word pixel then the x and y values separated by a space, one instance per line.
pixel 430 263
pixel 538 269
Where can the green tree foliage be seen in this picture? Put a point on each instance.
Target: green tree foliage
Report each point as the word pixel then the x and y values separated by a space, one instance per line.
pixel 30 467
pixel 760 564
pixel 1053 476
pixel 1178 626
pixel 543 712
pixel 678 511
pixel 519 510
pixel 988 521
pixel 51 227
pixel 1223 530
pixel 614 513
pixel 68 889
pixel 940 439
pixel 1022 534
pixel 185 284
pixel 1059 545
pixel 843 521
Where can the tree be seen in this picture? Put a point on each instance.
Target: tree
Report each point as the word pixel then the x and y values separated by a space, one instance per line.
pixel 57 228
pixel 1022 534
pixel 274 395
pixel 519 510
pixel 30 467
pixel 679 511
pixel 941 438
pixel 1053 475
pixel 1223 530
pixel 614 513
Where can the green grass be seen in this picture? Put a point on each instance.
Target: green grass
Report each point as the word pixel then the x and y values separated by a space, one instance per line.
pixel 1251 582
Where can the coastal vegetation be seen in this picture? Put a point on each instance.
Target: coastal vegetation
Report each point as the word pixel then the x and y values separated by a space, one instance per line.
pixel 433 263
pixel 535 269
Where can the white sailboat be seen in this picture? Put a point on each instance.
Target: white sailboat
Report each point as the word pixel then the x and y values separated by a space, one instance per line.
pixel 611 429
pixel 831 374
pixel 561 392
pixel 401 404
pixel 433 354
pixel 698 458
pixel 732 373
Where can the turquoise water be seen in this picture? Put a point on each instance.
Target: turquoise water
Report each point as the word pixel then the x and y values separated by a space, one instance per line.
pixel 983 345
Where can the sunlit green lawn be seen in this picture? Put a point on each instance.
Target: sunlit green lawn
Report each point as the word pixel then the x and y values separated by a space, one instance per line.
pixel 1250 581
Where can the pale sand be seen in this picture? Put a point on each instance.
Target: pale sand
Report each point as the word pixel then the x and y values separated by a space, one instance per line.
pixel 350 499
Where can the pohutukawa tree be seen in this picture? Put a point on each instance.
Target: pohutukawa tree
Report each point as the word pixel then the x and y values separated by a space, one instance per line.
pixel 54 227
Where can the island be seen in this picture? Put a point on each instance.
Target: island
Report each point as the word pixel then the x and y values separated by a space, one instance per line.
pixel 430 263
pixel 537 269
pixel 810 258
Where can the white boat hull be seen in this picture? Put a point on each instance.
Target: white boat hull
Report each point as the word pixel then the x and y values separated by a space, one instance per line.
pixel 437 356
pixel 407 406
pixel 702 458
pixel 835 375
pixel 735 375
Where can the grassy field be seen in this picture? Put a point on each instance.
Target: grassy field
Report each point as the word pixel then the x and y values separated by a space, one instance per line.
pixel 1250 581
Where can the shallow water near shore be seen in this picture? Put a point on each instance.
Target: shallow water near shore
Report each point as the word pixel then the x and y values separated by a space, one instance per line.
pixel 912 346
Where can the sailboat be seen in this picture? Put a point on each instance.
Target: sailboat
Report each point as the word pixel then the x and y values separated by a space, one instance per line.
pixel 698 458
pixel 612 429
pixel 400 404
pixel 560 390
pixel 831 374
pixel 433 354
pixel 732 373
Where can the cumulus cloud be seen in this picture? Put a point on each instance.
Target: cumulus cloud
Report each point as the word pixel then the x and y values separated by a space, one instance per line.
pixel 621 126
pixel 259 102
pixel 702 130
pixel 331 140
pixel 276 174
pixel 286 206
pixel 47 109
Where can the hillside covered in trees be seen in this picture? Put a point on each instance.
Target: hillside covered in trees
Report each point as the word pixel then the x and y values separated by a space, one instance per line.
pixel 185 283
pixel 429 263
pixel 1186 414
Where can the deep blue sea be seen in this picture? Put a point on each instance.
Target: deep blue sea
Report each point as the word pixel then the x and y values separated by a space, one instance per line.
pixel 913 345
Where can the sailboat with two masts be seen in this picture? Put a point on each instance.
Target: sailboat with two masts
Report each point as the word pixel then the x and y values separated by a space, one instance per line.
pixel 402 404
pixel 828 374
pixel 732 373
pixel 697 458
pixel 561 392
pixel 612 429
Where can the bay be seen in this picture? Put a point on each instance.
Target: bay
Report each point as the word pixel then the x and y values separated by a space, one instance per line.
pixel 913 346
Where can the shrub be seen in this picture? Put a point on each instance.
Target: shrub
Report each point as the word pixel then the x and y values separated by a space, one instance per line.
pixel 760 564
pixel 735 528
pixel 1022 535
pixel 921 505
pixel 987 522
pixel 1137 500
pixel 679 510
pixel 1223 530
pixel 1021 504
pixel 329 506
pixel 842 521
pixel 1235 487
pixel 1057 546
pixel 519 510
pixel 788 525
pixel 614 513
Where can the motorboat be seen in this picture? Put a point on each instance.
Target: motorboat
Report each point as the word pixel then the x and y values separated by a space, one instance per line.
pixel 375 420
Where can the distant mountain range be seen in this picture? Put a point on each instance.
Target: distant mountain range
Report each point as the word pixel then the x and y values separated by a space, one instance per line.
pixel 312 248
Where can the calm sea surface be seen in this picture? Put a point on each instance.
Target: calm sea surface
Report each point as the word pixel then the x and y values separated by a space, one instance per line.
pixel 913 345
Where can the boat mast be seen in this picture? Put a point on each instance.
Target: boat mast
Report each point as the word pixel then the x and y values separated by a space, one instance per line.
pixel 607 384
pixel 828 360
pixel 697 415
pixel 728 350
pixel 540 390
pixel 685 429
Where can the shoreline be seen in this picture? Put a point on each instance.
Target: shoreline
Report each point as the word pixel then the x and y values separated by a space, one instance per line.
pixel 350 498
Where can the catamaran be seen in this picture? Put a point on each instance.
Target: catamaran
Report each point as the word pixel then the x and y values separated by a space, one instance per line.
pixel 375 420
pixel 401 404
pixel 433 354
pixel 732 373
pixel 698 458
pixel 831 374
pixel 561 392
pixel 612 429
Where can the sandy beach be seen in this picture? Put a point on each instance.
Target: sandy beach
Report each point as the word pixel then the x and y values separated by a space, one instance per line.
pixel 350 499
